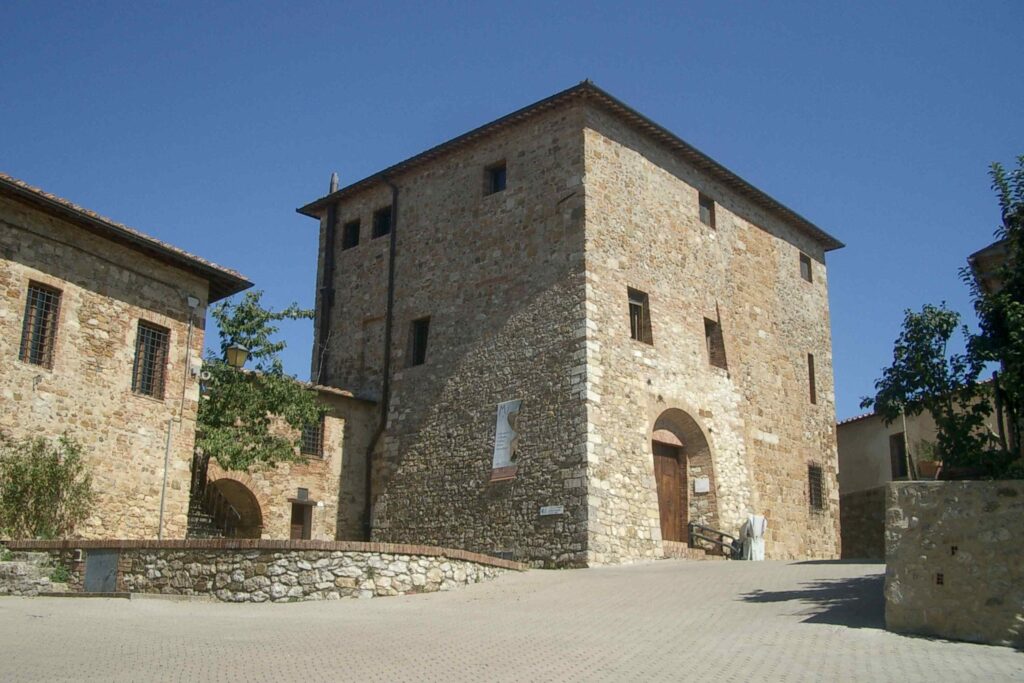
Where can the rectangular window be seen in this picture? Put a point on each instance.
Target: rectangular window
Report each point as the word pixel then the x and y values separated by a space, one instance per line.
pixel 898 456
pixel 805 268
pixel 494 178
pixel 707 210
pixel 313 439
pixel 639 316
pixel 150 369
pixel 39 327
pixel 715 343
pixel 816 487
pixel 810 378
pixel 418 333
pixel 382 221
pixel 350 235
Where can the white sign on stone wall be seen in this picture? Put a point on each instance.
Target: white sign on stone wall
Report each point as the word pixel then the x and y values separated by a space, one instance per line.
pixel 702 485
pixel 505 433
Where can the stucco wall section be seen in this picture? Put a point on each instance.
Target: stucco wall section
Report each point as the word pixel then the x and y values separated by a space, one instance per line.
pixel 954 564
pixel 106 290
pixel 501 277
pixel 643 231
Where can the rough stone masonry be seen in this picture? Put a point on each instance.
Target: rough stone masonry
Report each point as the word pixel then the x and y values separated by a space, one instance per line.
pixel 664 324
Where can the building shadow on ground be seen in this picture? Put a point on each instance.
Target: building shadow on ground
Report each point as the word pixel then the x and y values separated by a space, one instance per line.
pixel 856 602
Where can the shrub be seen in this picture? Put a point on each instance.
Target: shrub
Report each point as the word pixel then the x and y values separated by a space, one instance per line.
pixel 45 487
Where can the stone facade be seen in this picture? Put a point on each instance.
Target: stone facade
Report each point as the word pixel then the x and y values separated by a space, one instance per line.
pixel 110 278
pixel 335 483
pixel 954 567
pixel 862 520
pixel 526 293
pixel 276 571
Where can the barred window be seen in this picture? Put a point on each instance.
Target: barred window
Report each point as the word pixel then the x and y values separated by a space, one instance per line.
pixel 39 329
pixel 150 369
pixel 816 487
pixel 313 439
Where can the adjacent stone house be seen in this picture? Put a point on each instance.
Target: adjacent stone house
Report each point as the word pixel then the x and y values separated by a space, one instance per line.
pixel 581 334
pixel 101 336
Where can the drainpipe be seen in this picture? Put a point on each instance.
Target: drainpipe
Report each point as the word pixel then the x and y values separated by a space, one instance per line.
pixel 385 392
pixel 326 289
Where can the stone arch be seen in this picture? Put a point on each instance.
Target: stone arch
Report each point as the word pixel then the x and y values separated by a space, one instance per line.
pixel 249 521
pixel 676 428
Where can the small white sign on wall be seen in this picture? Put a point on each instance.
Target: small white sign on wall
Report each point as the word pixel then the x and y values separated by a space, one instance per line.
pixel 702 485
pixel 552 510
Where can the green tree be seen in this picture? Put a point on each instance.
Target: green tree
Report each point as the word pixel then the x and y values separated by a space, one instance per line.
pixel 45 487
pixel 925 376
pixel 240 411
pixel 1001 312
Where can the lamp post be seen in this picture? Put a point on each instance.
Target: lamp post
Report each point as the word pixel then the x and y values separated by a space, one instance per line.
pixel 236 355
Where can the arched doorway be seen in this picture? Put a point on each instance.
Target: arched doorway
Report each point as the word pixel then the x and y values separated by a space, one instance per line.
pixel 679 448
pixel 234 508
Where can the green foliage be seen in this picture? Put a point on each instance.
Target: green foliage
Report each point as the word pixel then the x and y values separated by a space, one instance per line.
pixel 239 410
pixel 924 376
pixel 5 554
pixel 45 487
pixel 60 574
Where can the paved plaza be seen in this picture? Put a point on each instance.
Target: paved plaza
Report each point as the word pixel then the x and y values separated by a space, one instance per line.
pixel 669 620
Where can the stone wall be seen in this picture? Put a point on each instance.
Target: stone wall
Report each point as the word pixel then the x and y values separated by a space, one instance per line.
pixel 643 231
pixel 336 480
pixel 282 571
pixel 954 563
pixel 862 520
pixel 501 278
pixel 106 289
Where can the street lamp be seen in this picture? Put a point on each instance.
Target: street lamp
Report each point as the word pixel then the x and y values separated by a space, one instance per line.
pixel 236 355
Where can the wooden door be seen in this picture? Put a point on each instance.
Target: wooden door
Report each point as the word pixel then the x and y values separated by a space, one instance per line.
pixel 302 522
pixel 671 482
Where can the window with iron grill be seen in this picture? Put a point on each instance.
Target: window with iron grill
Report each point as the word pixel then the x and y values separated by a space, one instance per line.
pixel 639 316
pixel 816 487
pixel 707 210
pixel 150 371
pixel 313 439
pixel 382 221
pixel 39 328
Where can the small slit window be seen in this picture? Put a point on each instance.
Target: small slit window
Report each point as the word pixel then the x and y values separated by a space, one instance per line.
pixel 495 176
pixel 150 371
pixel 39 327
pixel 815 487
pixel 350 235
pixel 811 384
pixel 312 443
pixel 707 210
pixel 639 316
pixel 715 343
pixel 382 221
pixel 418 333
pixel 805 268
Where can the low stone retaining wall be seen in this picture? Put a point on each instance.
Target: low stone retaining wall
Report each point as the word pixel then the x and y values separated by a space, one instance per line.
pixel 862 524
pixel 277 571
pixel 27 574
pixel 954 562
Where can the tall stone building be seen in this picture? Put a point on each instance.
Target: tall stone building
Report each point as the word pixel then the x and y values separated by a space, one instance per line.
pixel 582 334
pixel 101 336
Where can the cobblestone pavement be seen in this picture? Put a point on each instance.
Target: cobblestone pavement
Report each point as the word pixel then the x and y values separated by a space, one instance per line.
pixel 670 620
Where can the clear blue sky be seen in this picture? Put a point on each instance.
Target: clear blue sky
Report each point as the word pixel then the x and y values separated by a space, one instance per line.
pixel 206 124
